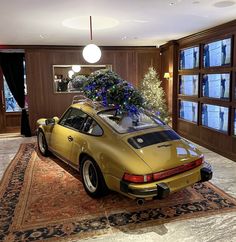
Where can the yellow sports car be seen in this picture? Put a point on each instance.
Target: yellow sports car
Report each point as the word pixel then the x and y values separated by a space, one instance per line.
pixel 136 155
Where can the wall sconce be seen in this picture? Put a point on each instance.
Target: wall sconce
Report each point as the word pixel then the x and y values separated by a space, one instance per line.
pixel 167 75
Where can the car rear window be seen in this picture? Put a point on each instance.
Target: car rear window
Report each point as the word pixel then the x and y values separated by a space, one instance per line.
pixel 124 122
pixel 144 140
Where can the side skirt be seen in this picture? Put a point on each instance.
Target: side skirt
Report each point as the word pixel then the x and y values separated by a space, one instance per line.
pixel 68 162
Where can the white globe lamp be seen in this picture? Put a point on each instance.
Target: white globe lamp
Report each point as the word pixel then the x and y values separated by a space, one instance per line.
pixel 70 74
pixel 92 53
pixel 76 68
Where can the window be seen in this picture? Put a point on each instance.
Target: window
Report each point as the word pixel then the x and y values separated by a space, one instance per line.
pixel 189 58
pixel 188 111
pixel 11 104
pixel 92 127
pixel 74 118
pixel 216 85
pixel 123 122
pixel 217 53
pixel 188 85
pixel 215 117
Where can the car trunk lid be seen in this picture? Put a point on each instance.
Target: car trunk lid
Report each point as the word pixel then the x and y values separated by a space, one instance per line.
pixel 162 150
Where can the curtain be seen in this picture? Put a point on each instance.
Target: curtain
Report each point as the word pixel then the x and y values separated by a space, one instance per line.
pixel 13 70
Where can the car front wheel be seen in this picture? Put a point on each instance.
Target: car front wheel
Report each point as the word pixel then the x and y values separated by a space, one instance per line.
pixel 42 143
pixel 92 178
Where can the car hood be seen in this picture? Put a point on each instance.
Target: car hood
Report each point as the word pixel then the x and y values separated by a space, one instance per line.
pixel 162 150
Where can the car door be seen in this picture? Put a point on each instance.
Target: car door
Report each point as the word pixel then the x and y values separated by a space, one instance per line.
pixel 65 133
pixel 86 139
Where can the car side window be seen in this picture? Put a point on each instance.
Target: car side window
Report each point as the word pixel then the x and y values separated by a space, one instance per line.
pixel 92 127
pixel 74 119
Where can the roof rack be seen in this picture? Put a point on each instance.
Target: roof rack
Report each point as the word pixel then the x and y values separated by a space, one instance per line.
pixel 83 99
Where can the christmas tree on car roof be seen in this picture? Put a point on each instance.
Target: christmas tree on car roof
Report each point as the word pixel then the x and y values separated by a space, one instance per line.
pixel 107 86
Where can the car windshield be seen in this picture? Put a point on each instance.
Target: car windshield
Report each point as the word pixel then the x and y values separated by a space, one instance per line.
pixel 123 122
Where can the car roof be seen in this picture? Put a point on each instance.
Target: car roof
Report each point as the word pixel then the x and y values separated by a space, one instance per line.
pixel 91 107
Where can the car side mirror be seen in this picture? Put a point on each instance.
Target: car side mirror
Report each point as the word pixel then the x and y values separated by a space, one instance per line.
pixel 56 119
pixel 52 121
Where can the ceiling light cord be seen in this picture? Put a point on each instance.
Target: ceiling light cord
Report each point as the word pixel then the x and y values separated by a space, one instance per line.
pixel 91 29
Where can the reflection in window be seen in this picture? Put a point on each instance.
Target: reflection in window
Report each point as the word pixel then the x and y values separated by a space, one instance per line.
pixel 188 111
pixel 188 85
pixel 215 117
pixel 216 85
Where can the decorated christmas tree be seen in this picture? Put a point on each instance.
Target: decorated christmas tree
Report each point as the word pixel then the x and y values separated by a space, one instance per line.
pixel 154 95
pixel 107 86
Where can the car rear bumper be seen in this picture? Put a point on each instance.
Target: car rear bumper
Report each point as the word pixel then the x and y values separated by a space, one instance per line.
pixel 161 189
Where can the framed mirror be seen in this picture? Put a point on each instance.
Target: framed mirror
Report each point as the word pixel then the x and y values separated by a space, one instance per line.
pixel 70 78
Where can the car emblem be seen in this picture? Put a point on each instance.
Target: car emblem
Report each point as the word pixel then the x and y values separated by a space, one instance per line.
pixel 139 140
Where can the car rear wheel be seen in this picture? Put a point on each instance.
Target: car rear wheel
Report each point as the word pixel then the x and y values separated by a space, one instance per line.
pixel 92 178
pixel 42 143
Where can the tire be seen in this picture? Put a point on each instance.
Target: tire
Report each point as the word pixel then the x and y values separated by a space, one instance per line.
pixel 92 178
pixel 42 143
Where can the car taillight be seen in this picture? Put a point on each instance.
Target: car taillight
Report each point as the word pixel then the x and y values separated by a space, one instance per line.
pixel 163 174
pixel 137 178
pixel 179 169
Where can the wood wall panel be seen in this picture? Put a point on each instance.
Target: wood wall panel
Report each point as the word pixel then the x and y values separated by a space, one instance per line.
pixel 13 121
pixel 130 63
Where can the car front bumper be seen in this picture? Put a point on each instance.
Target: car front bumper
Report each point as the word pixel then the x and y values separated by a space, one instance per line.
pixel 161 189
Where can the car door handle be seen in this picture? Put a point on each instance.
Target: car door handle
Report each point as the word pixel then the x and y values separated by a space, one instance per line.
pixel 70 138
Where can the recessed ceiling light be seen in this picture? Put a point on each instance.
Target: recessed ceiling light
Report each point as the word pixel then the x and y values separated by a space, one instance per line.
pixel 224 4
pixel 41 36
pixel 124 38
pixel 172 3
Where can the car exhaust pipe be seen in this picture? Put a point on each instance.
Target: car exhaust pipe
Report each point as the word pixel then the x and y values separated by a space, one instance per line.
pixel 140 202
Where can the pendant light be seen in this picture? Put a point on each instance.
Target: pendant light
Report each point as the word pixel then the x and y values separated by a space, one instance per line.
pixel 91 52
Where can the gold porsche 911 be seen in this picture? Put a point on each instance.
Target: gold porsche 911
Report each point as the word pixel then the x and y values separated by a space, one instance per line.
pixel 136 155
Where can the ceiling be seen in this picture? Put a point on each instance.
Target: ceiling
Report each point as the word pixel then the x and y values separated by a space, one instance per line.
pixel 115 23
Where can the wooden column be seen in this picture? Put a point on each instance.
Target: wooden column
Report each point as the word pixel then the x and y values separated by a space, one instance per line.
pixel 173 81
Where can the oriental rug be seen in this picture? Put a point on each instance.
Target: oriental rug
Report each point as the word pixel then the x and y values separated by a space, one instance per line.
pixel 44 199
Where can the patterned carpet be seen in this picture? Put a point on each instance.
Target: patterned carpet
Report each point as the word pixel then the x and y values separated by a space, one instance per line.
pixel 43 199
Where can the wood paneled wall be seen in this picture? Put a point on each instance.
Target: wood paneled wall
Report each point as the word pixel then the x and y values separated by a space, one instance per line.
pixel 130 63
pixel 223 143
